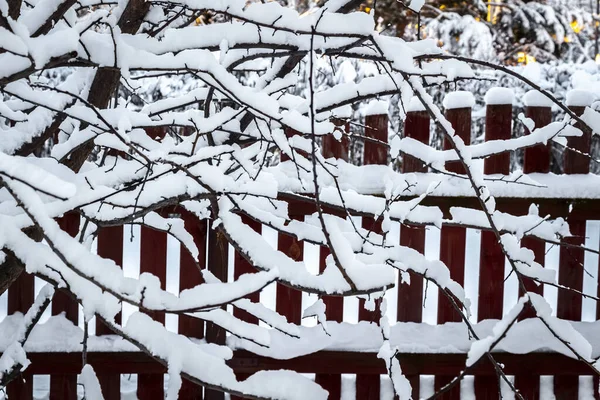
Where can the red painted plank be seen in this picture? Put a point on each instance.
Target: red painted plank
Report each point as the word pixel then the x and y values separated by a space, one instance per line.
pixel 460 119
pixel 376 128
pixel 288 300
pixel 453 241
pixel 218 249
pixel 368 386
pixel 21 387
pixel 570 271
pixel 536 160
pixel 153 259
pixel 331 147
pixel 20 298
pixel 410 297
pixel 110 246
pixel 332 383
pixel 416 126
pixel 491 277
pixel 452 252
pixel 242 266
pixel 334 304
pixel 189 277
pixel 65 386
pixel 498 123
pixel 528 386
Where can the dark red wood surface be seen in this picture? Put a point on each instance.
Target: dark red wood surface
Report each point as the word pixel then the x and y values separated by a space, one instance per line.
pixel 110 246
pixel 453 240
pixel 20 298
pixel 570 271
pixel 320 362
pixel 376 127
pixel 536 159
pixel 153 259
pixel 334 305
pixel 242 266
pixel 64 386
pixel 498 126
pixel 189 277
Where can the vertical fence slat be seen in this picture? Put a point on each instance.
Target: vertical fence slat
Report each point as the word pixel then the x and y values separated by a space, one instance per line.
pixel 333 304
pixel 242 266
pixel 64 387
pixel 288 301
pixel 410 297
pixel 498 125
pixel 153 259
pixel 189 277
pixel 536 160
pixel 453 239
pixel 20 298
pixel 376 127
pixel 218 254
pixel 110 245
pixel 335 312
pixel 570 272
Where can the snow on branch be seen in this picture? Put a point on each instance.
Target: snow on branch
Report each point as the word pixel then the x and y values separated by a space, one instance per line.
pixel 143 113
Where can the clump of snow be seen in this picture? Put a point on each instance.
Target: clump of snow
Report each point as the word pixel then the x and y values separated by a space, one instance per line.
pixel 499 95
pixel 90 383
pixel 376 107
pixel 579 98
pixel 415 105
pixel 459 99
pixel 535 98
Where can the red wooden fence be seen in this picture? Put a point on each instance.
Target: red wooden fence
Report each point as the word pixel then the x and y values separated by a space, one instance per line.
pixel 328 366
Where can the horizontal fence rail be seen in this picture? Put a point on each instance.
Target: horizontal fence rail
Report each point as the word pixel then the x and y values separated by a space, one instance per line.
pixel 474 259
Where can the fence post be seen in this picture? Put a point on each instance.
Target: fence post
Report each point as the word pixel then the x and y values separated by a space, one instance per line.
pixel 153 260
pixel 536 160
pixel 189 277
pixel 376 127
pixel 288 301
pixel 410 297
pixel 570 270
pixel 64 386
pixel 20 298
pixel 110 246
pixel 453 239
pixel 242 266
pixel 331 147
pixel 218 255
pixel 498 125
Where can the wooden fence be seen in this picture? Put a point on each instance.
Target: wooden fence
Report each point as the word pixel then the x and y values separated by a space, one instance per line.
pixel 329 365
